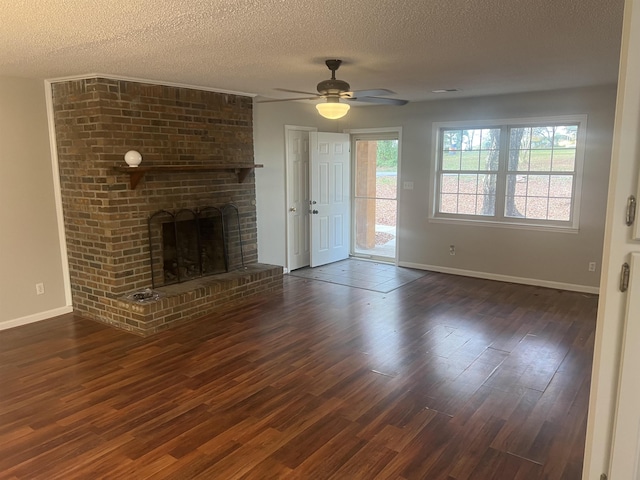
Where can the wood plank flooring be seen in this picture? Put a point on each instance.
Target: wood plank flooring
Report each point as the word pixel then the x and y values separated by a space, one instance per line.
pixel 444 378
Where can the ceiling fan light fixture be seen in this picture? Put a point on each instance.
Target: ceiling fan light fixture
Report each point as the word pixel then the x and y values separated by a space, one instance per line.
pixel 332 109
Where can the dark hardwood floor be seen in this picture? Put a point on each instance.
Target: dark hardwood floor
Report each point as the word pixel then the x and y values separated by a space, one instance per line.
pixel 444 378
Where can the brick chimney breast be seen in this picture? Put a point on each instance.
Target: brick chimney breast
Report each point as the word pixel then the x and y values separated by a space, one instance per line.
pixel 97 120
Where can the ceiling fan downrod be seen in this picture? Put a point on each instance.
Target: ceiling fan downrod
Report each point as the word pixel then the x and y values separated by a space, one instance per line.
pixel 333 65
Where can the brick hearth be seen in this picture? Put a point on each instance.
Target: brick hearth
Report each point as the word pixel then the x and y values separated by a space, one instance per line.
pixel 97 120
pixel 187 301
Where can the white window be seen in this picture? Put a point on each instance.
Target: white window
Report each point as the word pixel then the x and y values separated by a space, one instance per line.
pixel 524 173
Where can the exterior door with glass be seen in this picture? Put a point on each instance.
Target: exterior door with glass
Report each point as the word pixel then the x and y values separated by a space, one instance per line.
pixel 375 195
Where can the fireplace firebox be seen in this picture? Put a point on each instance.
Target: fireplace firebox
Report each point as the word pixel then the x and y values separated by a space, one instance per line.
pixel 192 243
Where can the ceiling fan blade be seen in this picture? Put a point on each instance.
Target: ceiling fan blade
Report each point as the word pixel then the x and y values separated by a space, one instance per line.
pixel 371 93
pixel 380 100
pixel 296 91
pixel 286 99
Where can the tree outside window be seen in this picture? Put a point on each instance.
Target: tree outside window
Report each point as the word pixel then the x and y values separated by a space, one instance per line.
pixel 513 173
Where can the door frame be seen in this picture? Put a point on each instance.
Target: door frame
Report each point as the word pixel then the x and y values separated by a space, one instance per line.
pixel 288 182
pixel 601 455
pixel 397 130
pixel 364 132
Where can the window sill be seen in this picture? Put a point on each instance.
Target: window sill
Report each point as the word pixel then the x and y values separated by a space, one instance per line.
pixel 511 225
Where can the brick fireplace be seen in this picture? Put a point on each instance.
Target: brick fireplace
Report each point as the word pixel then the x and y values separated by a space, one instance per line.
pixel 201 145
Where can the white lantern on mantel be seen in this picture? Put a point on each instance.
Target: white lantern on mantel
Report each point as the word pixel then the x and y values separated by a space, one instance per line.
pixel 133 158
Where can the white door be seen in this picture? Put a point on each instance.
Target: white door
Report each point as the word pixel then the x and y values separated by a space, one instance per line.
pixel 330 197
pixel 626 439
pixel 614 405
pixel 297 197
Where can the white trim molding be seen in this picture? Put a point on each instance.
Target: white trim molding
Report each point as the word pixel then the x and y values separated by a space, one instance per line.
pixel 57 192
pixel 535 282
pixel 36 317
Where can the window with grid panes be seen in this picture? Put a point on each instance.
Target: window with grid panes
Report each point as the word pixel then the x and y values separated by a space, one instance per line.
pixel 521 173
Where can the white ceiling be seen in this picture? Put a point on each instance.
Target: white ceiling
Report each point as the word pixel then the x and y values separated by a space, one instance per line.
pixel 412 47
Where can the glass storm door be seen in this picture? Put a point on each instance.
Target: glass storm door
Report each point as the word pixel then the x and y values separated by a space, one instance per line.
pixel 375 196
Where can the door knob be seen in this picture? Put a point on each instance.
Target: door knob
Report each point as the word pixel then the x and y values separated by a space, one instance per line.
pixel 315 212
pixel 292 209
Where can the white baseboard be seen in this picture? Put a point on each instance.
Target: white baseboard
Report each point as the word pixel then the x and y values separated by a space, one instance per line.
pixel 36 317
pixel 504 278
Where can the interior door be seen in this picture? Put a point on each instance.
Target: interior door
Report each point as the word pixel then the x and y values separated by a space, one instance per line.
pixel 329 207
pixel 626 439
pixel 297 197
pixel 612 440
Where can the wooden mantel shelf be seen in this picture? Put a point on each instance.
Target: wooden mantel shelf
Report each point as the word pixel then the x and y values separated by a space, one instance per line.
pixel 137 173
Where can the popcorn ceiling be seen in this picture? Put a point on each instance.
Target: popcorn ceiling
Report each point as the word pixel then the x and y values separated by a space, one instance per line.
pixel 412 47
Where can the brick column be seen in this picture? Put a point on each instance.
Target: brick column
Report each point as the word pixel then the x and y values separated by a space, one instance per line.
pixel 366 187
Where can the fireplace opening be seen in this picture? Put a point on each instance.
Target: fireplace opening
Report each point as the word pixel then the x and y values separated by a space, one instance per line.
pixel 192 243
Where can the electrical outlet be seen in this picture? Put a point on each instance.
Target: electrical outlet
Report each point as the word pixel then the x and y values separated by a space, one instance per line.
pixel 592 266
pixel 39 288
pixel 452 249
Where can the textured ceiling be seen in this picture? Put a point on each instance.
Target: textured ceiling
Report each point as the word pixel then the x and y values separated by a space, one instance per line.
pixel 412 47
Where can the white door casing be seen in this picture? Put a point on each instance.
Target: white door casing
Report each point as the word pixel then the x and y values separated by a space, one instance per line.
pixel 330 197
pixel 613 423
pixel 297 154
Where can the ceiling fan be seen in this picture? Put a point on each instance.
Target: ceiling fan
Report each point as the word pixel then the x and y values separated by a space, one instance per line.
pixel 334 90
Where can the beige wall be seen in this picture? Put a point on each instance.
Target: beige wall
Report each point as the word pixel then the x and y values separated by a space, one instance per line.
pixel 30 249
pixel 269 120
pixel 29 243
pixel 547 258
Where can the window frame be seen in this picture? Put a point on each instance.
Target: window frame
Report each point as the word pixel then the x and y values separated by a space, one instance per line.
pixel 499 219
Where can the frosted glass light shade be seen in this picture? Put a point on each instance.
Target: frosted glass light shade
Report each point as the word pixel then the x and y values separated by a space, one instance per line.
pixel 133 158
pixel 333 110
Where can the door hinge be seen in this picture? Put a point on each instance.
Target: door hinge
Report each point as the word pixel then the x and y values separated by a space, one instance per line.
pixel 624 277
pixel 631 210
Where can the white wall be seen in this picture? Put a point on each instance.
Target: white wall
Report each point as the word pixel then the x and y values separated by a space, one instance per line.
pixel 544 258
pixel 29 242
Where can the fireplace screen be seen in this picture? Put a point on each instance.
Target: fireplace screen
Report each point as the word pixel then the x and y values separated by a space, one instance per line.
pixel 188 244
